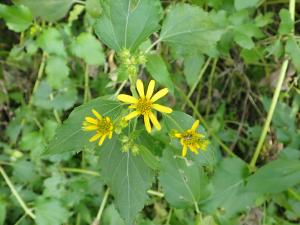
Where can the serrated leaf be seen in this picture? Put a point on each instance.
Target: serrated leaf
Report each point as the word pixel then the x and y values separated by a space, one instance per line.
pixel 128 177
pixel 228 189
pixel 70 137
pixel 243 4
pixel 17 17
pixel 50 10
pixel 189 29
pixel 184 183
pixel 275 177
pixel 49 212
pixel 128 23
pixel 57 71
pixel 158 70
pixel 87 47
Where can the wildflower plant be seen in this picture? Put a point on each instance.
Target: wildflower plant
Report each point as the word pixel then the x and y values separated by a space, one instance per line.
pixel 123 112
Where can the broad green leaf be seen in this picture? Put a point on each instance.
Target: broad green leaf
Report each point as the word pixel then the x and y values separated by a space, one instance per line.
pixel 111 216
pixel 243 4
pixel 51 42
pixel 50 10
pixel 293 50
pixel 286 25
pixel 228 189
pixel 2 212
pixel 244 33
pixel 275 177
pixel 149 158
pixel 157 68
pixel 128 177
pixel 70 137
pixel 189 29
pixel 50 212
pixel 192 67
pixel 17 17
pixel 87 47
pixel 184 183
pixel 57 71
pixel 128 23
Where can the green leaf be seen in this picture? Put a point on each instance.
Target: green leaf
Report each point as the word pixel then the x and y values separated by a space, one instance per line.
pixel 111 216
pixel 70 137
pixel 188 29
pixel 293 50
pixel 24 171
pixel 57 71
pixel 149 158
pixel 244 33
pixel 184 183
pixel 275 177
pixel 286 25
pixel 243 4
pixel 2 212
pixel 49 212
pixel 50 10
pixel 94 8
pixel 128 23
pixel 17 17
pixel 51 42
pixel 228 189
pixel 128 177
pixel 192 67
pixel 87 47
pixel 158 70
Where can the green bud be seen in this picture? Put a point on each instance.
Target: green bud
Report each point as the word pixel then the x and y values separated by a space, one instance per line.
pixel 135 150
pixel 125 54
pixel 132 71
pixel 142 59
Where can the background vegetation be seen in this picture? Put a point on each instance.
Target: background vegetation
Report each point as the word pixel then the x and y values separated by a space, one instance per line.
pixel 232 64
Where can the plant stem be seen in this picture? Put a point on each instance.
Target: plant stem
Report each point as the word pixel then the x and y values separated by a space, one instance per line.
pixel 155 193
pixel 78 170
pixel 152 45
pixel 87 93
pixel 294 194
pixel 103 203
pixel 210 81
pixel 274 99
pixel 16 194
pixel 120 88
pixel 169 217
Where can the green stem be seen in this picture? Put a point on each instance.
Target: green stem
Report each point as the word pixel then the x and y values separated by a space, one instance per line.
pixel 120 88
pixel 103 203
pixel 152 45
pixel 16 194
pixel 294 194
pixel 210 81
pixel 87 92
pixel 169 217
pixel 77 170
pixel 155 193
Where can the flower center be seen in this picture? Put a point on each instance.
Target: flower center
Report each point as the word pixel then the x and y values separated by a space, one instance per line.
pixel 144 106
pixel 104 126
pixel 190 138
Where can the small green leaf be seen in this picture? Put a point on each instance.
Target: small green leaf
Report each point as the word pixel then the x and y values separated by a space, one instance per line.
pixel 128 23
pixel 128 177
pixel 244 33
pixel 275 177
pixel 184 183
pixel 24 171
pixel 50 10
pixel 57 71
pixel 87 47
pixel 158 70
pixel 189 29
pixel 70 137
pixel 192 68
pixel 17 17
pixel 243 4
pixel 49 212
pixel 293 50
pixel 286 24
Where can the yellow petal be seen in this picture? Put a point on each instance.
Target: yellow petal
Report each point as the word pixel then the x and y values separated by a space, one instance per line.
pixel 102 139
pixel 140 88
pixel 132 115
pixel 132 106
pixel 91 120
pixel 178 135
pixel 193 149
pixel 90 128
pixel 99 117
pixel 95 137
pixel 127 99
pixel 154 121
pixel 147 124
pixel 110 135
pixel 150 89
pixel 162 108
pixel 184 150
pixel 195 125
pixel 161 93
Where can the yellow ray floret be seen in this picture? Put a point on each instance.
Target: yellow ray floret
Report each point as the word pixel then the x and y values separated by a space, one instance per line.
pixel 101 125
pixel 192 140
pixel 144 104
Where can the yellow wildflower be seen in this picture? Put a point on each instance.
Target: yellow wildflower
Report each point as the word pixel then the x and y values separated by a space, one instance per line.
pixel 192 140
pixel 102 125
pixel 145 103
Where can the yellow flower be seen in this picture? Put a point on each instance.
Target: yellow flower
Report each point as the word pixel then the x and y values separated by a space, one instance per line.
pixel 145 103
pixel 102 125
pixel 192 140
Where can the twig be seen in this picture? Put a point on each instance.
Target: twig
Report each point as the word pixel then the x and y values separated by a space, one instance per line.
pixel 103 203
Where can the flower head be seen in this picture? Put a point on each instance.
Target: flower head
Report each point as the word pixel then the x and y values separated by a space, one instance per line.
pixel 145 103
pixel 192 140
pixel 102 125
